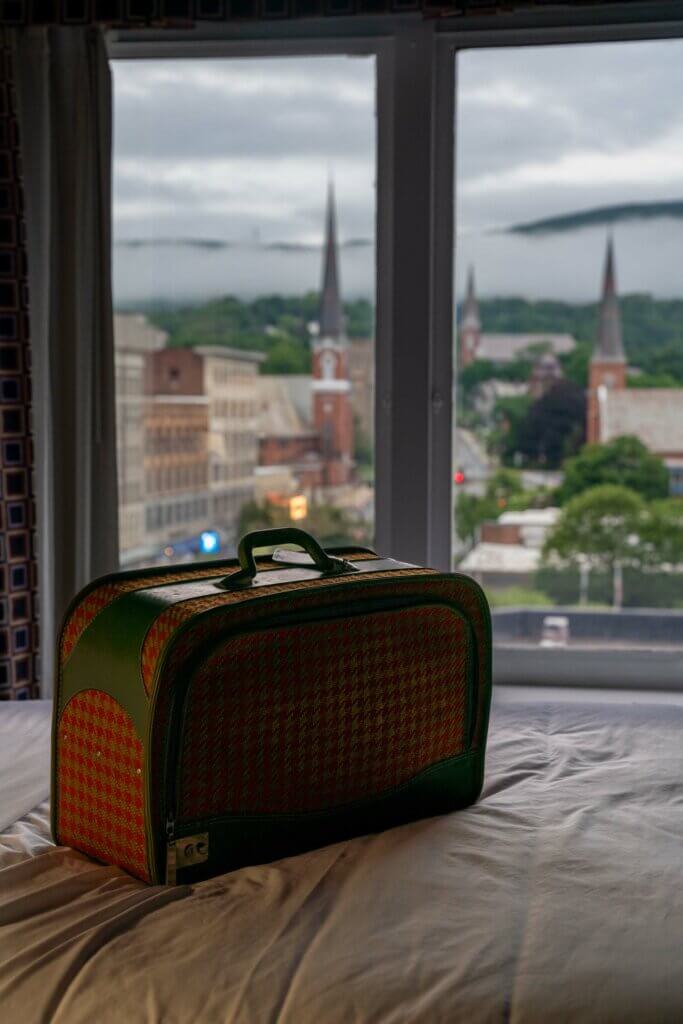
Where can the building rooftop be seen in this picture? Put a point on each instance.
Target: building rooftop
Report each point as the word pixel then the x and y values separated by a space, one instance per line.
pixel 531 517
pixel 279 415
pixel 501 558
pixel 223 352
pixel 504 348
pixel 652 414
pixel 134 333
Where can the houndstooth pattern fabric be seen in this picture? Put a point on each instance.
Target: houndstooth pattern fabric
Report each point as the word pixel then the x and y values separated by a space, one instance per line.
pixel 176 615
pixel 100 803
pixel 320 714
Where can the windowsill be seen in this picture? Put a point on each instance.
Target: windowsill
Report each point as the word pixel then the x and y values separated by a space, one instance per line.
pixel 589 666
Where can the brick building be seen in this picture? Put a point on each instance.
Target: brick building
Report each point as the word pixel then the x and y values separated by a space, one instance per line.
pixel 176 449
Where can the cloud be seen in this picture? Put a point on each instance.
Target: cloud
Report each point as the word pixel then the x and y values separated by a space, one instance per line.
pixel 237 149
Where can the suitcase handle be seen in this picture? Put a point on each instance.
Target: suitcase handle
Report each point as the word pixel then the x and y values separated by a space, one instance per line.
pixel 327 564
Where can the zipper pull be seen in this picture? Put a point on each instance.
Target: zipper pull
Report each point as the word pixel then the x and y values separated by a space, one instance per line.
pixel 171 861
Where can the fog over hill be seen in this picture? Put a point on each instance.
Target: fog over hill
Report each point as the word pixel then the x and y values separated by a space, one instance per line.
pixel 564 264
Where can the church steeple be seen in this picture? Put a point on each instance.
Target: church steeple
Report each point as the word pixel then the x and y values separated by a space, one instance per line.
pixel 609 347
pixel 470 324
pixel 331 313
pixel 331 387
pixel 607 369
pixel 470 309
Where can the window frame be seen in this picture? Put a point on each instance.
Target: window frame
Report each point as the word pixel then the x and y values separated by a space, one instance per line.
pixel 416 87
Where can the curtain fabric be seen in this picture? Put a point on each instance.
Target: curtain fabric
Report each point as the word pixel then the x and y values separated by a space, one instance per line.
pixel 19 663
pixel 65 115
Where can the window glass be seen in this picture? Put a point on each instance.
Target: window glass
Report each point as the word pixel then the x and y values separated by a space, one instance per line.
pixel 568 434
pixel 244 211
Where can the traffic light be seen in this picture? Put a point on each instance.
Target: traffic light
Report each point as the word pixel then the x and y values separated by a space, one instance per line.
pixel 459 477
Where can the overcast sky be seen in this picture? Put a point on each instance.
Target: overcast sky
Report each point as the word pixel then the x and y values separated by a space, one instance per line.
pixel 241 150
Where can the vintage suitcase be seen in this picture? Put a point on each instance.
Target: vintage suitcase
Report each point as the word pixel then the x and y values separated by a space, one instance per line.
pixel 235 712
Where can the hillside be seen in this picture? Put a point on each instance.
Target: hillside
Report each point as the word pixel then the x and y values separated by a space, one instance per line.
pixel 278 325
pixel 274 324
pixel 607 215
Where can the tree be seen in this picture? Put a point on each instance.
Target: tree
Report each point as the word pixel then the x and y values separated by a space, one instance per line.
pixel 508 413
pixel 575 364
pixel 662 533
pixel 602 526
pixel 471 510
pixel 553 427
pixel 287 356
pixel 625 462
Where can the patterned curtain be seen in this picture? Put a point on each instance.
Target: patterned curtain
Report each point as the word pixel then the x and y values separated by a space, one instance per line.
pixel 19 662
pixel 184 13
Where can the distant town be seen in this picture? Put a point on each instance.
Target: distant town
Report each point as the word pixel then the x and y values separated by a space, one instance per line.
pixel 209 445
pixel 569 460
pixel 237 415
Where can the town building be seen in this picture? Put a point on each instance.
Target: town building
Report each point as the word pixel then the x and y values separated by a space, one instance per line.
pixel 232 388
pixel 508 552
pixel 176 461
pixel 614 410
pixel 500 348
pixel 134 339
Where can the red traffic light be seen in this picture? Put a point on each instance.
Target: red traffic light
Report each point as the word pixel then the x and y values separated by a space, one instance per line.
pixel 459 477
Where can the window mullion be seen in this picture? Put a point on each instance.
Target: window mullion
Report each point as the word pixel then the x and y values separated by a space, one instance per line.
pixel 414 300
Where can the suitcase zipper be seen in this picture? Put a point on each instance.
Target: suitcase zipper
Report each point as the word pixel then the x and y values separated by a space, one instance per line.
pixel 171 858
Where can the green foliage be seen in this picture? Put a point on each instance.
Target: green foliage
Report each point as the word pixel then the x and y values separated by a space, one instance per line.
pixel 471 510
pixel 612 526
pixel 287 356
pixel 330 525
pixel 642 589
pixel 662 532
pixel 652 329
pixel 360 319
pixel 602 523
pixel 507 597
pixel 552 428
pixel 508 414
pixel 652 380
pixel 575 364
pixel 625 461
pixel 274 324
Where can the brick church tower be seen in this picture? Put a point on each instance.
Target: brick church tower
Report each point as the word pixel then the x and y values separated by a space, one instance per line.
pixel 470 324
pixel 331 387
pixel 608 363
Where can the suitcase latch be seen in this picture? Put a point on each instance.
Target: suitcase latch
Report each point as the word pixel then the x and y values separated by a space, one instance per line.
pixel 192 850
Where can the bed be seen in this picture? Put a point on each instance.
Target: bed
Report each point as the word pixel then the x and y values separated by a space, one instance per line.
pixel 558 897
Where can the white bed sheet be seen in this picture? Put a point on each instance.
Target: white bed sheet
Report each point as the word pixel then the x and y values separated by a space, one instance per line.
pixel 558 897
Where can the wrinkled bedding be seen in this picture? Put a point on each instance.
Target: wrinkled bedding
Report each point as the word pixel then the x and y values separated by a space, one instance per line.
pixel 558 897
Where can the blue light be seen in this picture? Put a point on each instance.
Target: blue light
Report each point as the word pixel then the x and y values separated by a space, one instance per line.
pixel 209 542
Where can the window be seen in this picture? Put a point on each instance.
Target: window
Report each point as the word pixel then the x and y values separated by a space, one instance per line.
pixel 568 439
pixel 243 190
